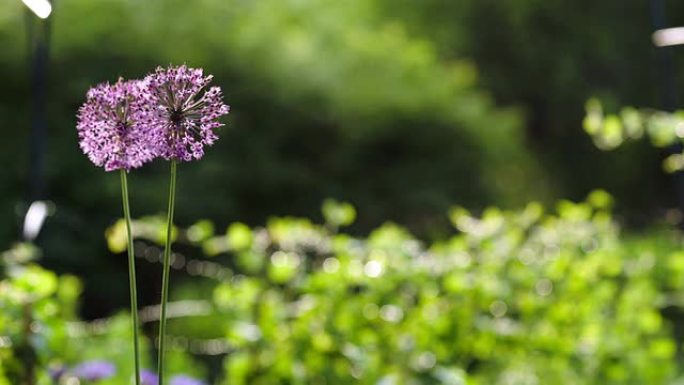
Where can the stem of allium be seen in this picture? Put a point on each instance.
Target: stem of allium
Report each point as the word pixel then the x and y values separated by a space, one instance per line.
pixel 131 275
pixel 165 276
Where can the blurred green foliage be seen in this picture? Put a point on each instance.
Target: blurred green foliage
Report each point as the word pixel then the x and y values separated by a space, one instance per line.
pixel 41 336
pixel 328 99
pixel 546 58
pixel 664 129
pixel 392 105
pixel 524 297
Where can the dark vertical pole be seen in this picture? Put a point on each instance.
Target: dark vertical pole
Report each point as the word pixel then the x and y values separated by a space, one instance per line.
pixel 665 59
pixel 668 86
pixel 39 37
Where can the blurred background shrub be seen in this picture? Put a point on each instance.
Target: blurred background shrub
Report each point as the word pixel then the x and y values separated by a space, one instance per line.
pixel 512 297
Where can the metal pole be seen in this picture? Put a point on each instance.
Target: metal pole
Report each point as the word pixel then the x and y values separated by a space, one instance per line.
pixel 39 38
pixel 665 59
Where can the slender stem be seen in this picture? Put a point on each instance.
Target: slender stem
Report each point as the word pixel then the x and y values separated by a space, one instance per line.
pixel 131 275
pixel 165 276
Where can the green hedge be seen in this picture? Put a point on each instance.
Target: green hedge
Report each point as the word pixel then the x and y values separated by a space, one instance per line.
pixel 513 297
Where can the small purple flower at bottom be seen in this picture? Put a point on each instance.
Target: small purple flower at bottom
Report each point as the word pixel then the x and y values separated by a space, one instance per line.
pixel 185 380
pixel 94 370
pixel 56 372
pixel 148 377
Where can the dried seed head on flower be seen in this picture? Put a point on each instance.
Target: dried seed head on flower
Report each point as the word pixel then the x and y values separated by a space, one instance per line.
pixel 184 110
pixel 109 126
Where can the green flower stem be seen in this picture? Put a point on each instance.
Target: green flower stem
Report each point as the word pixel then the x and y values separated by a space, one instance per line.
pixel 131 275
pixel 165 276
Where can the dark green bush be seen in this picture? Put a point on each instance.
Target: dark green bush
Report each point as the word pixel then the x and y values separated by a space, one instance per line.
pixel 327 100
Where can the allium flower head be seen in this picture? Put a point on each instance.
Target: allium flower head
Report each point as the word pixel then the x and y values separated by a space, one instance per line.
pixel 184 111
pixel 94 370
pixel 185 380
pixel 109 128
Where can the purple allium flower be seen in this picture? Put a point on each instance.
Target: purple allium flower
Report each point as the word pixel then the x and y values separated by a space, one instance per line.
pixel 149 377
pixel 185 380
pixel 56 372
pixel 109 126
pixel 183 111
pixel 94 370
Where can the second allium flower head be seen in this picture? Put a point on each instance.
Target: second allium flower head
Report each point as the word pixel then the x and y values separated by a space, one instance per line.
pixel 168 114
pixel 109 128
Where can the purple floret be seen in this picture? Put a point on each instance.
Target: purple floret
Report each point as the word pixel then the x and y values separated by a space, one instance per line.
pixel 185 380
pixel 148 377
pixel 56 372
pixel 94 370
pixel 109 126
pixel 184 110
